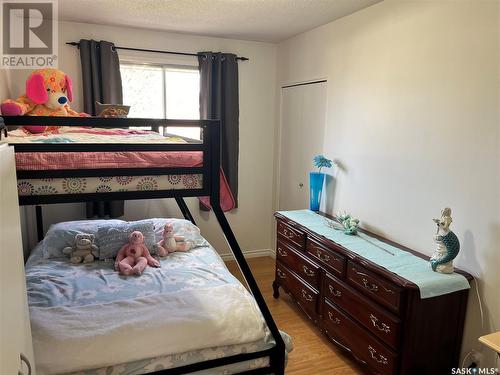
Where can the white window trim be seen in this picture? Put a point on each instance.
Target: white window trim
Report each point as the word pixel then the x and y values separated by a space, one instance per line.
pixel 157 58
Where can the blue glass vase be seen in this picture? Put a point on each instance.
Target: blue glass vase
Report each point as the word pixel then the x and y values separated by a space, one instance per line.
pixel 316 180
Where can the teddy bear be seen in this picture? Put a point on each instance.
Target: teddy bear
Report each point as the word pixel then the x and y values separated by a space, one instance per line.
pixel 48 93
pixel 134 256
pixel 84 250
pixel 171 243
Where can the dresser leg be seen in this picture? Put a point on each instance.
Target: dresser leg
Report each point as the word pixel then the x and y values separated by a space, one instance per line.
pixel 276 287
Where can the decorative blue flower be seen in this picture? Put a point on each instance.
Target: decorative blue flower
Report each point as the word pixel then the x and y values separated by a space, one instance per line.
pixel 320 161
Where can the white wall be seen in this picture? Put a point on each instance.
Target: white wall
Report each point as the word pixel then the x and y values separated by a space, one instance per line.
pixel 413 101
pixel 252 221
pixel 4 85
pixel 5 79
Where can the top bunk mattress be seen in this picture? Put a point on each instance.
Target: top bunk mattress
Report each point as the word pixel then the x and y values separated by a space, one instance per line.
pixel 47 161
pixel 95 160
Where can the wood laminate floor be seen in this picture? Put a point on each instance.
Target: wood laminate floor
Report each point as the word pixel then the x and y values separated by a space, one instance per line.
pixel 313 354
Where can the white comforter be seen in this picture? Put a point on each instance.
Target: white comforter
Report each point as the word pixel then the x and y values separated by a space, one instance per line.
pixel 100 335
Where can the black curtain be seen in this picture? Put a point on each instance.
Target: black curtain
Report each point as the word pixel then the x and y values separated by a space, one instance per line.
pixel 219 101
pixel 101 82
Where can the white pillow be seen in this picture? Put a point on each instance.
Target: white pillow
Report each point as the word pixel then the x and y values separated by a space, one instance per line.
pixel 181 228
pixel 63 234
pixel 111 239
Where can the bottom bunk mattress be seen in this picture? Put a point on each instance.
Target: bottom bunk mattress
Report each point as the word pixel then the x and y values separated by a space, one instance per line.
pixel 87 319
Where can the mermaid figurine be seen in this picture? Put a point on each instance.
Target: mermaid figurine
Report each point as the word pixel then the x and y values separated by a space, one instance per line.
pixel 447 242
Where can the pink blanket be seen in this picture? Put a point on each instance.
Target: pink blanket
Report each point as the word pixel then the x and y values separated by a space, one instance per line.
pixel 34 161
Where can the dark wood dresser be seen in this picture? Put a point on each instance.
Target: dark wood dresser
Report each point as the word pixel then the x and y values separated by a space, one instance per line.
pixel 363 308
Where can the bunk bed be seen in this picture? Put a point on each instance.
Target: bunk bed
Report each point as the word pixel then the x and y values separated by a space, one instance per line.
pixel 200 168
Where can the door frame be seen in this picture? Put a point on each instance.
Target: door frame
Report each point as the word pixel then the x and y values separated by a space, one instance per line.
pixel 277 156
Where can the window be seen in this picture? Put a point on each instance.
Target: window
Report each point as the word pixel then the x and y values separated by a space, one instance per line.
pixel 163 91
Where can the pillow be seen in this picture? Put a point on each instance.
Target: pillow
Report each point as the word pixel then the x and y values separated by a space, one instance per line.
pixel 181 228
pixel 63 234
pixel 111 239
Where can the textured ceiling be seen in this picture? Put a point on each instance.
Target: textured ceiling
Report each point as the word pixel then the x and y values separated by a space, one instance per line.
pixel 259 20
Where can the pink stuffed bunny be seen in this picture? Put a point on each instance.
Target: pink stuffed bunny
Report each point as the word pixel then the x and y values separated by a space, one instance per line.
pixel 171 243
pixel 134 256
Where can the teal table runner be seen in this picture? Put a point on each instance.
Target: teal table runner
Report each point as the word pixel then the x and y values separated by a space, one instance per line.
pixel 398 261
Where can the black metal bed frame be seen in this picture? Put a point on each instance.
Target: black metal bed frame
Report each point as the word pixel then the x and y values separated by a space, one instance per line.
pixel 210 146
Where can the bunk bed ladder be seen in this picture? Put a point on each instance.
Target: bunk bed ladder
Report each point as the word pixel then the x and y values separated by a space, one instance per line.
pixel 277 358
pixel 184 209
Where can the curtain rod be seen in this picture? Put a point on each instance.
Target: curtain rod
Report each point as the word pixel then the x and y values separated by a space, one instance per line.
pixel 76 44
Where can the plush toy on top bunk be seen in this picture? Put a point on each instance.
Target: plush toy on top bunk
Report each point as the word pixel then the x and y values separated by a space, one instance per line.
pixel 171 242
pixel 133 257
pixel 48 93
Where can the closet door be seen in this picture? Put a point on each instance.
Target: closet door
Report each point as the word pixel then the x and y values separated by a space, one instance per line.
pixel 303 121
pixel 16 348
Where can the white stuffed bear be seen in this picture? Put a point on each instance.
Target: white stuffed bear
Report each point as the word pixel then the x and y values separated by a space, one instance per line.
pixel 84 249
pixel 171 242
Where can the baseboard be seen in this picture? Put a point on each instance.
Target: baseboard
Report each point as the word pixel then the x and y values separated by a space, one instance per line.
pixel 251 254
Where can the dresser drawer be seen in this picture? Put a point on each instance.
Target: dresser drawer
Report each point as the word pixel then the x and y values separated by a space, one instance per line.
pixel 330 258
pixel 380 290
pixel 356 339
pixel 306 296
pixel 298 263
pixel 380 322
pixel 295 236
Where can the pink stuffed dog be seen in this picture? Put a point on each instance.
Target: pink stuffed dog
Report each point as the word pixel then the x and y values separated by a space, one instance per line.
pixel 48 93
pixel 170 242
pixel 134 256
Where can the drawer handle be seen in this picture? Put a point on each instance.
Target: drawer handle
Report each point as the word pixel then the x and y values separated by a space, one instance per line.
pixel 307 271
pixel 323 257
pixel 307 296
pixel 335 293
pixel 319 250
pixel 335 320
pixel 27 362
pixel 280 274
pixel 379 358
pixel 370 286
pixel 288 233
pixel 282 252
pixel 384 326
